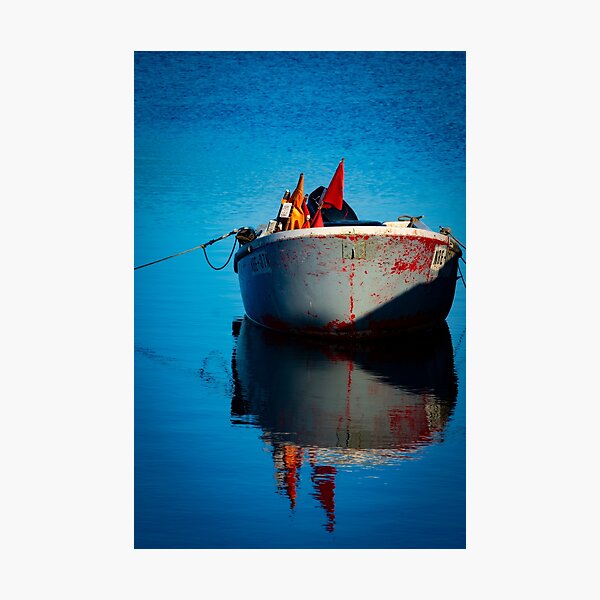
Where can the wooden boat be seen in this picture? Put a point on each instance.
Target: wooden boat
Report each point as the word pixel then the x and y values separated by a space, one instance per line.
pixel 348 277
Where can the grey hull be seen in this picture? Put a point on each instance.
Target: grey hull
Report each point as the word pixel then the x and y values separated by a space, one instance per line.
pixel 348 281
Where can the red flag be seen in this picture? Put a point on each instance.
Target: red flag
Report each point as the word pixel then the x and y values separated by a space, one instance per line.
pixel 317 220
pixel 334 195
pixel 306 214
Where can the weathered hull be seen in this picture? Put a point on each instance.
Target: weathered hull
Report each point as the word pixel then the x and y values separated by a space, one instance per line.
pixel 354 281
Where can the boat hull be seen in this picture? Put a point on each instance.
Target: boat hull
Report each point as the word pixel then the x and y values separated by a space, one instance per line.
pixel 348 281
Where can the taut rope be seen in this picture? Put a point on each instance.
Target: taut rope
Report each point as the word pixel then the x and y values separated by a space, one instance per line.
pixel 203 246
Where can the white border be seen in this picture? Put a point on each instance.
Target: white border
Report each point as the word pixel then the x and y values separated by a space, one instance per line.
pixel 67 242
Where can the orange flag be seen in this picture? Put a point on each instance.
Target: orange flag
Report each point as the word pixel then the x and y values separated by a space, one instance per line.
pixel 334 195
pixel 298 194
pixel 297 198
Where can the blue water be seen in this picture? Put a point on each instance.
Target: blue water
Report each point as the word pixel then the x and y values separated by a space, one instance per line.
pixel 245 441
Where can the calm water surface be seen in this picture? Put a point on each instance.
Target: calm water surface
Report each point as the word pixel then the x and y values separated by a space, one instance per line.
pixel 247 439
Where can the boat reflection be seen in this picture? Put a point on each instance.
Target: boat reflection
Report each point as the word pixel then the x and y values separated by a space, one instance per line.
pixel 340 404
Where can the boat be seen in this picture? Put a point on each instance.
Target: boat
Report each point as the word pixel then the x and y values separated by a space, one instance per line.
pixel 329 406
pixel 318 269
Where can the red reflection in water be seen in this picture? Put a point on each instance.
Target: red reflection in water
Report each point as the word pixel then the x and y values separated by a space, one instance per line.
pixel 323 478
pixel 288 460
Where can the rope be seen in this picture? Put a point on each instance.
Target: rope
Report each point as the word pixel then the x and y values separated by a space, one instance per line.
pixel 457 241
pixel 461 275
pixel 460 339
pixel 203 246
pixel 446 231
pixel 230 255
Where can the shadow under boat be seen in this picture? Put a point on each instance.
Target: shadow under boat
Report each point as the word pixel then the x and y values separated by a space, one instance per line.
pixel 346 403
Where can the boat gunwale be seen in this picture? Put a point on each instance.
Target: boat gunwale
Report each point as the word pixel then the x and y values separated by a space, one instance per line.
pixel 335 232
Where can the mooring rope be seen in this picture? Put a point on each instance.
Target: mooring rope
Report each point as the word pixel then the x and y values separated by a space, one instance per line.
pixel 230 255
pixel 203 246
pixel 461 275
pixel 448 232
pixel 460 339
